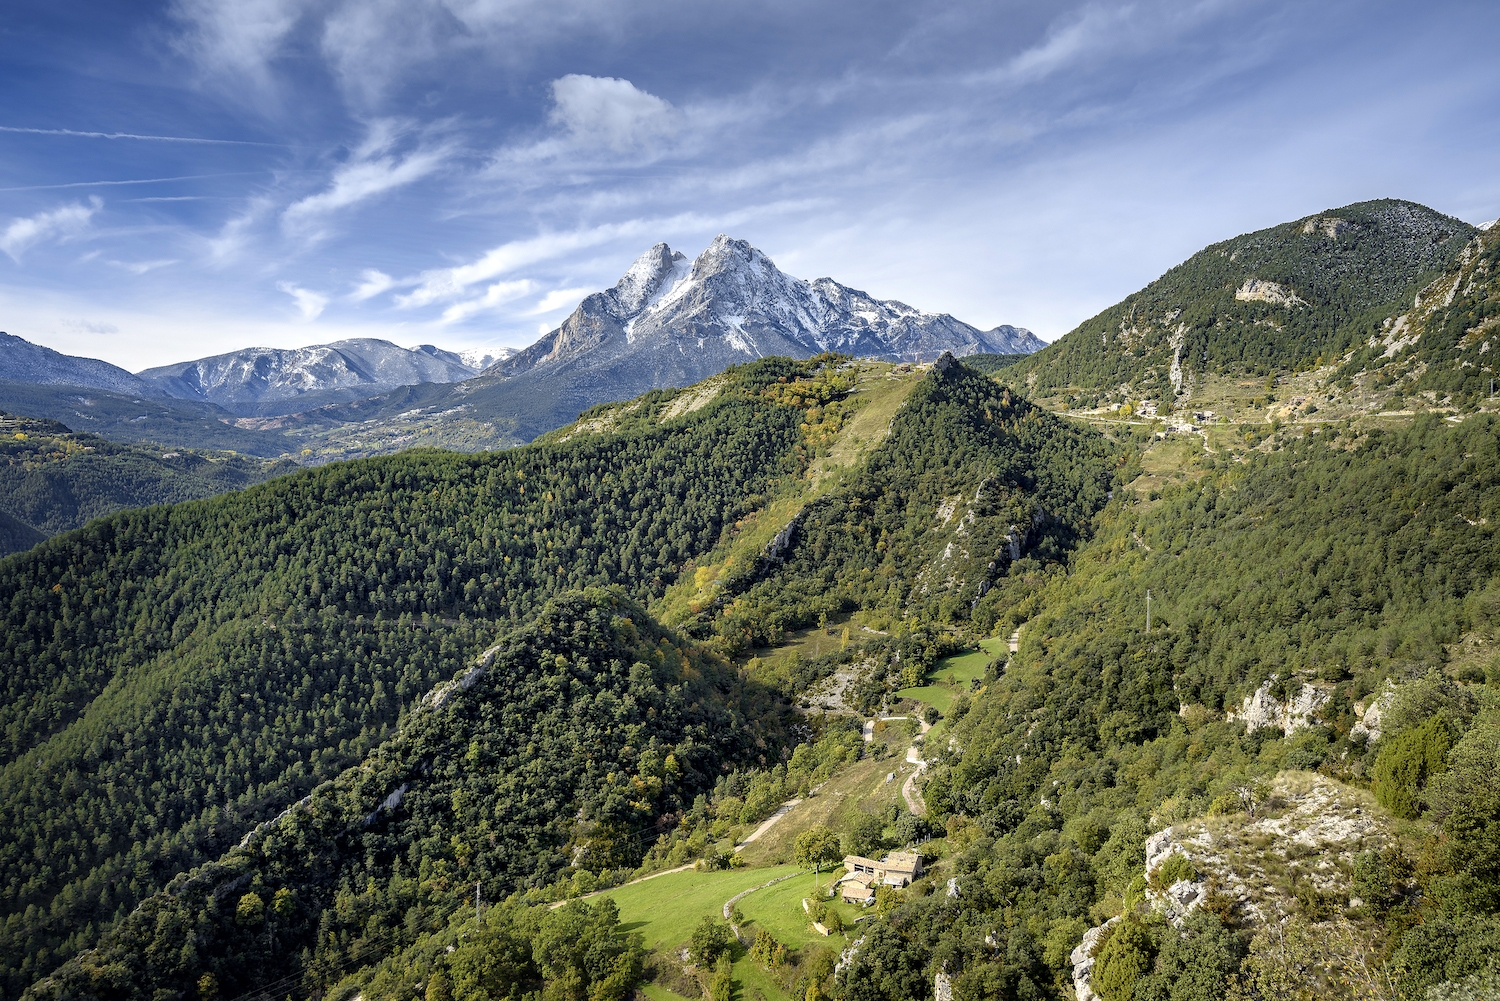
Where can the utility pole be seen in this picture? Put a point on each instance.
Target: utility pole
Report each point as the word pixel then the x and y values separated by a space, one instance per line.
pixel 478 904
pixel 1148 613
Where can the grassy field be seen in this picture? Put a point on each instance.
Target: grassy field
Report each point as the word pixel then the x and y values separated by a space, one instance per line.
pixel 665 910
pixel 954 675
pixel 778 909
pixel 881 389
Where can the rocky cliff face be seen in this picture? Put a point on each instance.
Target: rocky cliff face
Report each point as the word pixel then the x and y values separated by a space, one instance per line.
pixel 1298 835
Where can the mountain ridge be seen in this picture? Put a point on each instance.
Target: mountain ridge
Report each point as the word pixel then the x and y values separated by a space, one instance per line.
pixel 23 361
pixel 1288 297
pixel 246 379
pixel 737 305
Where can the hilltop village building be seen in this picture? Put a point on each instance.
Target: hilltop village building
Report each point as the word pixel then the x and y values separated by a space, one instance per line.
pixel 858 885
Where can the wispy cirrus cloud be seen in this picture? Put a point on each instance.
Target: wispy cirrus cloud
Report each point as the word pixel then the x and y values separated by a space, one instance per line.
pixel 235 40
pixel 557 299
pixel 495 296
pixel 374 169
pixel 141 267
pixel 372 282
pixel 451 283
pixel 62 223
pixel 236 232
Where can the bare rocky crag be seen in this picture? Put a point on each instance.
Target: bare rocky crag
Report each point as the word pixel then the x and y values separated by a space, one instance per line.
pixel 1299 836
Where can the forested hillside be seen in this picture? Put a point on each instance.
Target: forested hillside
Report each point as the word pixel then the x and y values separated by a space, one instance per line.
pixel 293 622
pixel 1301 745
pixel 588 709
pixel 1343 560
pixel 53 480
pixel 969 479
pixel 1290 297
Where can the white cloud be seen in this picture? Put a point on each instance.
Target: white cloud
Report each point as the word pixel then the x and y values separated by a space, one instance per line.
pixel 310 303
pixel 1065 43
pixel 235 233
pixel 372 170
pixel 237 37
pixel 446 284
pixel 372 283
pixel 557 299
pixel 61 224
pixel 450 283
pixel 605 111
pixel 496 295
pixel 141 267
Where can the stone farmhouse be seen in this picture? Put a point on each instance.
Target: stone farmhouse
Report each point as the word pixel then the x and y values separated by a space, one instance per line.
pixel 857 885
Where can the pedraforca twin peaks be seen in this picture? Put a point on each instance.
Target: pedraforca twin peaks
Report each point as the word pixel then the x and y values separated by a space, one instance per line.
pixel 682 320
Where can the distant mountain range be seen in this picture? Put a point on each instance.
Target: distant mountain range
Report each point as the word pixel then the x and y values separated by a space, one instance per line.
pixel 668 322
pixel 266 380
pixel 23 361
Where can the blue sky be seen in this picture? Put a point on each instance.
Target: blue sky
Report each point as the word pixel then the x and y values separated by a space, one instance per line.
pixel 188 177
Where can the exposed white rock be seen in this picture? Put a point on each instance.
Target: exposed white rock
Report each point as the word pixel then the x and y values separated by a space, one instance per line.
pixel 1262 709
pixel 1257 290
pixel 1082 959
pixel 1329 226
pixel 1307 829
pixel 1370 713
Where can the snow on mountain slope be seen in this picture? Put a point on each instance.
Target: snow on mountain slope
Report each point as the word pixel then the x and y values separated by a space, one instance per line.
pixel 480 359
pixel 732 304
pixel 257 375
pixel 23 361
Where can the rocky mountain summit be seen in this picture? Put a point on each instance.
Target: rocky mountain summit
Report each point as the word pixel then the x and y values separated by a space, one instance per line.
pixel 684 320
pixel 359 367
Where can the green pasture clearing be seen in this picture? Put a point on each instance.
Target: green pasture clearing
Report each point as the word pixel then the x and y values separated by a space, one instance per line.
pixel 954 675
pixel 666 909
pixel 778 909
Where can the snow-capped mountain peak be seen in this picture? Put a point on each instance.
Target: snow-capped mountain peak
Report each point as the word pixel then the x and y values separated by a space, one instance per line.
pixel 670 321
